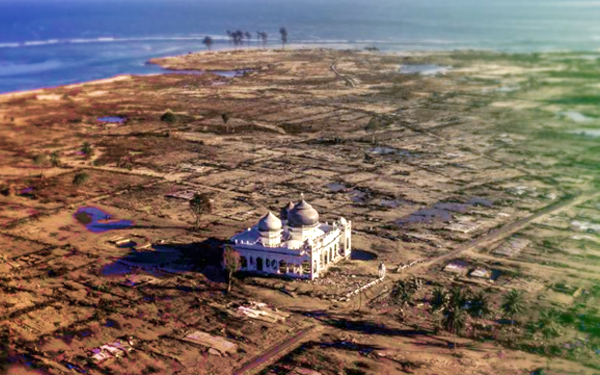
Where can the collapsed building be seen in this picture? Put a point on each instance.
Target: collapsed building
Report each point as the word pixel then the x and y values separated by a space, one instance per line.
pixel 296 244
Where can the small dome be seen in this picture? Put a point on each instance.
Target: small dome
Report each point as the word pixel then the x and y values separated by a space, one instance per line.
pixel 303 215
pixel 269 223
pixel 283 214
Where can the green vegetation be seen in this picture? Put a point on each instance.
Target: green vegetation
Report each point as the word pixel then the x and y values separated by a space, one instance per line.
pixel 168 117
pixel 201 204
pixel 87 150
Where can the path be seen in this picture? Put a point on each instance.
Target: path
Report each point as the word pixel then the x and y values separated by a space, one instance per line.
pixel 503 232
pixel 348 80
pixel 276 351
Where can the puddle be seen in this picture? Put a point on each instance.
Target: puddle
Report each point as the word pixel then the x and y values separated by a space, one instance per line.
pixel 26 191
pixel 382 150
pixel 453 207
pixel 362 255
pixel 576 116
pixel 358 196
pixel 479 201
pixel 127 245
pixel 112 119
pixel 390 203
pixel 98 221
pixel 427 215
pixel 423 69
pixel 587 132
pixel 495 275
pixel 115 269
pixel 336 186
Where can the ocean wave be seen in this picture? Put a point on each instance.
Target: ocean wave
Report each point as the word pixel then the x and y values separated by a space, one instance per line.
pixel 215 38
pixel 37 43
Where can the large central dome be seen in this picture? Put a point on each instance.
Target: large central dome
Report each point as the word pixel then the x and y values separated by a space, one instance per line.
pixel 303 215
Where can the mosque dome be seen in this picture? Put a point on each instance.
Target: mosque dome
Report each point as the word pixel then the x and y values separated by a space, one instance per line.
pixel 303 215
pixel 269 223
pixel 283 214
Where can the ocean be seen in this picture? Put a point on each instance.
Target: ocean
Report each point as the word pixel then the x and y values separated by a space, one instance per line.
pixel 47 43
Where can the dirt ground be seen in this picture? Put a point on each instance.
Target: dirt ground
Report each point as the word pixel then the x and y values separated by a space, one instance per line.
pixel 492 163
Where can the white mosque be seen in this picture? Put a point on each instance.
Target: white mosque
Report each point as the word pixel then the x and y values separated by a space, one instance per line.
pixel 296 244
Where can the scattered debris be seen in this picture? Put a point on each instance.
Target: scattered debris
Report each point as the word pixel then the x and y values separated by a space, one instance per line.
pixel 512 247
pixel 214 342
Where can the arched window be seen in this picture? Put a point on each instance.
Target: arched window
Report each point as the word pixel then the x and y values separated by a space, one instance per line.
pixel 267 263
pixel 282 267
pixel 244 262
pixel 274 264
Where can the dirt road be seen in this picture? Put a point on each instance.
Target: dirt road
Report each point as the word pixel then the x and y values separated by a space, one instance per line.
pixel 276 351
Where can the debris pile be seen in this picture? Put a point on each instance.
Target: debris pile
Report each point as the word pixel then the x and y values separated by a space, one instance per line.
pixel 115 349
pixel 260 311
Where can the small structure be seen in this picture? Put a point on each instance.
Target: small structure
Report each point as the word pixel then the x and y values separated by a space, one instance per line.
pixel 296 244
pixel 212 342
pixel 480 273
pixel 457 266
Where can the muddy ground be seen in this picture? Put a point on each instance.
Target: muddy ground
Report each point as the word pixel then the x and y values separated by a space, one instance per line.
pixel 473 143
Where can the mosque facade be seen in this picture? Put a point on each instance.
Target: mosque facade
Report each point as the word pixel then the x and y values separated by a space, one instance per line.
pixel 295 244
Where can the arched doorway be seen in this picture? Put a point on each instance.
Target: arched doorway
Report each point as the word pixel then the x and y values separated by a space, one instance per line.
pixel 259 264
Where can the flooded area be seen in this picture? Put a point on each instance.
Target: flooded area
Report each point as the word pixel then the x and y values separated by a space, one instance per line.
pixel 112 119
pixel 594 133
pixel 576 116
pixel 221 73
pixel 336 186
pixel 362 255
pixel 97 221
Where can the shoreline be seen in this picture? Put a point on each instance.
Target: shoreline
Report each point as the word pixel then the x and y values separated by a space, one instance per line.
pixel 292 47
pixel 230 50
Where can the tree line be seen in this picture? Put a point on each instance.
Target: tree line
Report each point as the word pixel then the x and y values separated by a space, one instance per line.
pixel 238 37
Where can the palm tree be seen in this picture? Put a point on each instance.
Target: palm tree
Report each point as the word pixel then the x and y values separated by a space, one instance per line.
pixel 263 36
pixel 80 179
pixel 454 321
pixel 439 299
pixel 513 304
pixel 248 37
pixel 548 325
pixel 284 36
pixel 403 295
pixel 230 35
pixel 87 149
pixel 207 42
pixel 479 307
pixel 457 298
pixel 238 37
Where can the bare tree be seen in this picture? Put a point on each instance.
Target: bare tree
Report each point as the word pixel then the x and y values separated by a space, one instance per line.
pixel 232 261
pixel 40 161
pixel 201 204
